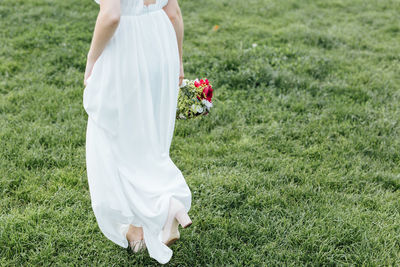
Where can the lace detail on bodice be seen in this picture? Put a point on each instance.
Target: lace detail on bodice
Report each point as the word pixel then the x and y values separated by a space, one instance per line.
pixel 137 7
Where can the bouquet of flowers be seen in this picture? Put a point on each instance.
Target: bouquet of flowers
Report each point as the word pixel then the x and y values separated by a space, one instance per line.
pixel 194 98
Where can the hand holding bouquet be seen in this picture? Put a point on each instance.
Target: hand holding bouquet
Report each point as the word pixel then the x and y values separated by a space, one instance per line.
pixel 194 98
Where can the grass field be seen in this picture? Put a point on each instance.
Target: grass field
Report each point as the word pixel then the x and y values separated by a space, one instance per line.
pixel 298 163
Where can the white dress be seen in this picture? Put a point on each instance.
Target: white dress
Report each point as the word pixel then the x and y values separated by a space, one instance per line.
pixel 131 99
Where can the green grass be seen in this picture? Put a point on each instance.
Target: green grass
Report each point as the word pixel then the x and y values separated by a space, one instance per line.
pixel 298 163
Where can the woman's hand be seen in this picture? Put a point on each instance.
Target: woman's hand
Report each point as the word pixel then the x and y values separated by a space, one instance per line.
pixel 181 74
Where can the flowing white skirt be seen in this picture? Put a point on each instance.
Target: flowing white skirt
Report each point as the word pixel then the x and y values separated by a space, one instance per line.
pixel 131 99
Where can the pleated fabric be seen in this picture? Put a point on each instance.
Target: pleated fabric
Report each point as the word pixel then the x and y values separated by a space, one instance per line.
pixel 131 99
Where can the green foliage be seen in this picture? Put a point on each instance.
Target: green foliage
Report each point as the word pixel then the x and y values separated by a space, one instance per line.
pixel 298 164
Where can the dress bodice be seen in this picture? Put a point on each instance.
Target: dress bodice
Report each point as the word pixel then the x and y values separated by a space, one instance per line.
pixel 137 7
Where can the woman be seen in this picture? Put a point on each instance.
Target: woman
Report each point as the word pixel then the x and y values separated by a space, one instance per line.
pixel 134 69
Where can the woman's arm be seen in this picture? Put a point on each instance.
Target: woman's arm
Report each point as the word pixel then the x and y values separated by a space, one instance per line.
pixel 174 13
pixel 106 24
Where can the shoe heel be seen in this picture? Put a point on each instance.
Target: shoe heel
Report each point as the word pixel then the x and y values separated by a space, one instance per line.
pixel 183 218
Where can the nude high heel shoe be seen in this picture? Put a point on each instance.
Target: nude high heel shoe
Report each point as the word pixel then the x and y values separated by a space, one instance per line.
pixel 137 246
pixel 134 245
pixel 176 215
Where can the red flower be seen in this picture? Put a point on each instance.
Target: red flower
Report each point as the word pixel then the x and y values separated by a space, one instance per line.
pixel 196 83
pixel 202 82
pixel 207 82
pixel 208 92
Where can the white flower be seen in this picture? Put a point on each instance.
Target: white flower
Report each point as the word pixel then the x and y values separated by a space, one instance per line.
pixel 254 45
pixel 197 108
pixel 182 116
pixel 207 103
pixel 184 83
